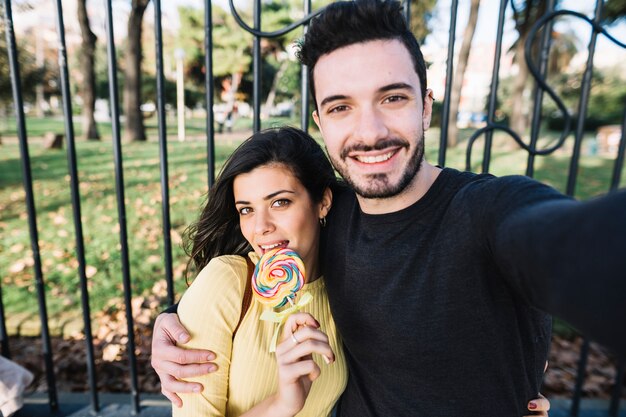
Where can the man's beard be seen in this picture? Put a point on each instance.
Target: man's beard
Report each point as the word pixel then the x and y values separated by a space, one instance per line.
pixel 377 185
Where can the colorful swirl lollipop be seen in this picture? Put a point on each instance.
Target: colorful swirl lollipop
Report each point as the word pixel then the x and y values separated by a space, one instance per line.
pixel 278 276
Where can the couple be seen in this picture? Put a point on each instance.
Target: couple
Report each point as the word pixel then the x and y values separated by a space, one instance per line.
pixel 436 279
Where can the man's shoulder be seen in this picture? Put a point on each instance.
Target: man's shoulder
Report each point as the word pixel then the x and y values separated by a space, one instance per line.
pixel 488 194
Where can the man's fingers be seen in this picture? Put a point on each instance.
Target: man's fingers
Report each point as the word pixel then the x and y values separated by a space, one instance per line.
pixel 167 326
pixel 179 355
pixel 186 371
pixel 173 386
pixel 174 399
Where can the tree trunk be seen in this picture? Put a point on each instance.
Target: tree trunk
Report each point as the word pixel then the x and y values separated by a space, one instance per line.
pixel 88 89
pixel 271 97
pixel 135 130
pixel 525 19
pixel 518 120
pixel 459 73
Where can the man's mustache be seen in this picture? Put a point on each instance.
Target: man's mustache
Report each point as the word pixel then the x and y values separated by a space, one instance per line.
pixel 381 144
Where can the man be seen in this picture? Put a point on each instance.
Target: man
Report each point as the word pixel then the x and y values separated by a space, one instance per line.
pixel 434 276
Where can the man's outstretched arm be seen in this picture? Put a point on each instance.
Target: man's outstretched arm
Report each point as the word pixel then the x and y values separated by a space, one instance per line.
pixel 172 363
pixel 569 259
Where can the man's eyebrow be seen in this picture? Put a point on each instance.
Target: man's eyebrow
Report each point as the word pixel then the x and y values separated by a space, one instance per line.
pixel 267 197
pixel 395 86
pixel 389 87
pixel 332 98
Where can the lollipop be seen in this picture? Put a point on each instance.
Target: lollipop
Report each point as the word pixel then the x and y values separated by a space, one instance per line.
pixel 278 276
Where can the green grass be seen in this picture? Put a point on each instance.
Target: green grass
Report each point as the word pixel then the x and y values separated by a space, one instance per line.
pixel 188 185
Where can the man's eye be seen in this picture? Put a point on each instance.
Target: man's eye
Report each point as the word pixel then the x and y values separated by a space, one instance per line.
pixel 394 99
pixel 283 202
pixel 338 109
pixel 245 210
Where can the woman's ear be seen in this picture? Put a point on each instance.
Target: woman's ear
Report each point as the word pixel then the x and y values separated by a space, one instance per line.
pixel 326 203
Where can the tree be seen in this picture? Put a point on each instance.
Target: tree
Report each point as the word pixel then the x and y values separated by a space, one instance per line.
pixel 459 73
pixel 232 54
pixel 135 129
pixel 613 11
pixel 525 15
pixel 421 13
pixel 87 63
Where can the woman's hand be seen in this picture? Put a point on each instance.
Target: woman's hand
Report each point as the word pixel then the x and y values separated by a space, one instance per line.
pixel 539 406
pixel 296 370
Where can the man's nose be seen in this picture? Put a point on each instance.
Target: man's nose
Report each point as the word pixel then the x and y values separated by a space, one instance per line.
pixel 371 126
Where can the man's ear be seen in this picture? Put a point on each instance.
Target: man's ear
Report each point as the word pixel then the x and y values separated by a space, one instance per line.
pixel 316 119
pixel 428 109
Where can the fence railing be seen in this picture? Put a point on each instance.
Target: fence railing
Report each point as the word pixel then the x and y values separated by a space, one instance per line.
pixel 537 66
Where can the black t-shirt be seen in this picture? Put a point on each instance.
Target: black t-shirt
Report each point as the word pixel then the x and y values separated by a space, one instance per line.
pixel 435 303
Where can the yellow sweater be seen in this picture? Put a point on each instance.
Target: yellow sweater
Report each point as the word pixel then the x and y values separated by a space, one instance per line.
pixel 210 310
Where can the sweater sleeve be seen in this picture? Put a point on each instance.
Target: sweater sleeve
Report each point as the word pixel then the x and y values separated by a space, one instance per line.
pixel 569 259
pixel 210 311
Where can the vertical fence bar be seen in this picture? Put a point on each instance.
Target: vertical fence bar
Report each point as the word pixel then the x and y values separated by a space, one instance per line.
pixel 493 95
pixel 445 116
pixel 304 87
pixel 582 106
pixel 165 190
pixel 546 40
pixel 76 210
pixel 208 82
pixel 580 378
pixel 4 337
pixel 619 160
pixel 121 208
pixel 407 11
pixel 617 390
pixel 16 86
pixel 256 69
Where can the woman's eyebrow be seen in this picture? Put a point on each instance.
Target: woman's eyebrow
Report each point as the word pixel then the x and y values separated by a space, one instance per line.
pixel 267 197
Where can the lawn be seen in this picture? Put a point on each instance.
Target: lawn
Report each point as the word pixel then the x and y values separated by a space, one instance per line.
pixel 188 186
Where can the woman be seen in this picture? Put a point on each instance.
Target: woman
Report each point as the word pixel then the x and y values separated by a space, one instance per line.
pixel 274 191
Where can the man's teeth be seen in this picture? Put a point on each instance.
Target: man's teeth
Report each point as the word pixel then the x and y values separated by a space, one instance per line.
pixel 366 159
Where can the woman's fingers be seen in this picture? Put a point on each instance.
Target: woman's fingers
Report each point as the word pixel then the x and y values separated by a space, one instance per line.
pixel 296 370
pixel 540 406
pixel 296 321
pixel 304 349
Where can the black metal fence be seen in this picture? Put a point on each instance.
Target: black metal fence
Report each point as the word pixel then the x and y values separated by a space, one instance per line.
pixel 537 66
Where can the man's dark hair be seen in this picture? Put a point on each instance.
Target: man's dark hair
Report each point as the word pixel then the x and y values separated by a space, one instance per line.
pixel 346 23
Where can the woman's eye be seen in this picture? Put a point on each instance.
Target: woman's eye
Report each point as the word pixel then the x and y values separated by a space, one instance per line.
pixel 245 210
pixel 283 202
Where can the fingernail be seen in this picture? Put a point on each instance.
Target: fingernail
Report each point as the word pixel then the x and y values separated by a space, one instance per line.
pixel 212 368
pixel 183 338
pixel 532 405
pixel 326 359
pixel 196 389
pixel 210 357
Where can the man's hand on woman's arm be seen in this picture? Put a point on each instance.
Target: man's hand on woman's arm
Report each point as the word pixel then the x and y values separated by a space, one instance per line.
pixel 172 362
